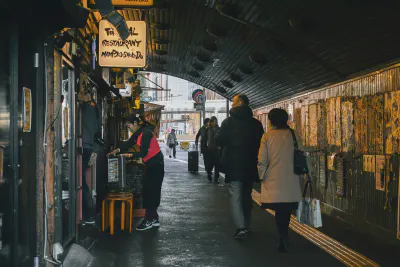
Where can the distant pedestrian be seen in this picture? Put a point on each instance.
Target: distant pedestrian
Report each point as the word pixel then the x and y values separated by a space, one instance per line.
pixel 171 143
pixel 240 136
pixel 280 187
pixel 212 150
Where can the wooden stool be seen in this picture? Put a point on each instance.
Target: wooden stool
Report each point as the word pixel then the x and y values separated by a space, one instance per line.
pixel 124 197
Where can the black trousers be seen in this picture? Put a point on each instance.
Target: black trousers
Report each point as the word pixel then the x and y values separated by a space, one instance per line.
pixel 212 161
pixel 282 219
pixel 87 201
pixel 152 189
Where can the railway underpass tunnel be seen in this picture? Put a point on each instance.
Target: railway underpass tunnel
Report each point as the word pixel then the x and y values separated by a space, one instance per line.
pixel 332 65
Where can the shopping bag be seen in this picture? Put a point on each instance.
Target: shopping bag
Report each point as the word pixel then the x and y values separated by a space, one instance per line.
pixel 309 209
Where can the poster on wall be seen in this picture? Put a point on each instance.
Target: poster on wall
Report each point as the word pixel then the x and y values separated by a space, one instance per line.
pixel 27 113
pixel 297 122
pixel 330 162
pixel 338 132
pixel 114 52
pixel 380 172
pixel 392 118
pixel 321 120
pixel 313 125
pixel 369 163
pixel 347 126
pixel 330 121
pixel 375 125
pixel 360 126
pixel 291 112
pixel 305 130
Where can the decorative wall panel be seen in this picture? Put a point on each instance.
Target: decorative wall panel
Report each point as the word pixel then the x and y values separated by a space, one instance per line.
pixel 360 126
pixel 347 126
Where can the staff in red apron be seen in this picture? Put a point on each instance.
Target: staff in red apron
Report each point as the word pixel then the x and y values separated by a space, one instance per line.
pixel 151 155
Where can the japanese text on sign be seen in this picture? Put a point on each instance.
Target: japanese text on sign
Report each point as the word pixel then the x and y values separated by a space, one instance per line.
pixel 115 52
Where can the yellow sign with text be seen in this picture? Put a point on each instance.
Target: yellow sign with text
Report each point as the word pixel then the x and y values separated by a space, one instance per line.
pixel 185 145
pixel 132 2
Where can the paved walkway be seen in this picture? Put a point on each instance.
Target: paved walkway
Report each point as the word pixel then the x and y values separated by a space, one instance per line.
pixel 196 230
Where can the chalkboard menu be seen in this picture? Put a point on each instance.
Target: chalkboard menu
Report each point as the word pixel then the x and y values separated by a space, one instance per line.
pixel 135 176
pixel 340 183
pixel 322 171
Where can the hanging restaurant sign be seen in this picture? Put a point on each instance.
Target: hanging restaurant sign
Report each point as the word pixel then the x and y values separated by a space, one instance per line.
pixel 115 52
pixel 132 2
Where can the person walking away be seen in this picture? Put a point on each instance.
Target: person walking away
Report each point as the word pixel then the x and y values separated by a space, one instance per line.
pixel 240 135
pixel 91 125
pixel 151 155
pixel 280 187
pixel 171 142
pixel 201 133
pixel 212 150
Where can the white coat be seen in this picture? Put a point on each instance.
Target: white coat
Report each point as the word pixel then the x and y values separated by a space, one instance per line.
pixel 275 168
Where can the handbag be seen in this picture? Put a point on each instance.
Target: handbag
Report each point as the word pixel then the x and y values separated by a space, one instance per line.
pixel 309 210
pixel 300 159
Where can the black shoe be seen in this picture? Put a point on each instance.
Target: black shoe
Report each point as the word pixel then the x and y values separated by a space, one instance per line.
pixel 209 178
pixel 170 157
pixel 240 234
pixel 247 230
pixel 283 245
pixel 145 225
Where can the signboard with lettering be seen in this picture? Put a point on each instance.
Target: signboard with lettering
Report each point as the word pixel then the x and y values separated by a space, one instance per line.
pixel 132 2
pixel 198 106
pixel 115 52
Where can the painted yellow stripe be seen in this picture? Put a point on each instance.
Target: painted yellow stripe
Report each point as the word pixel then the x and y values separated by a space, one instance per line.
pixel 344 254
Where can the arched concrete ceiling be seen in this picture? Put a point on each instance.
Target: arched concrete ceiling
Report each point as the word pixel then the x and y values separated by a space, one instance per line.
pixel 269 49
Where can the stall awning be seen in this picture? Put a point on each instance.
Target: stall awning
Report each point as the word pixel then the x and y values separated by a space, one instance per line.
pixel 102 86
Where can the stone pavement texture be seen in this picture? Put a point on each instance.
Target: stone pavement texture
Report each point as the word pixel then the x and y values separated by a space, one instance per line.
pixel 197 229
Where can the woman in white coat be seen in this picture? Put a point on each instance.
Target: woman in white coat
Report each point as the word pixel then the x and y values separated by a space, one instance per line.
pixel 280 187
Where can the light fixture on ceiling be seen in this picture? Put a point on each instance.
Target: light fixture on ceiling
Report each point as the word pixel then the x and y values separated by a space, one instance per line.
pixel 227 83
pixel 245 70
pixel 203 58
pixel 220 89
pixel 209 46
pixel 194 74
pixel 198 66
pixel 258 58
pixel 216 31
pixel 217 63
pixel 236 78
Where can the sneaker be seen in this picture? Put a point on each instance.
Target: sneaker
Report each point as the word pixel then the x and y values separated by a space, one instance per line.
pixel 155 223
pixel 145 225
pixel 240 234
pixel 90 221
pixel 247 230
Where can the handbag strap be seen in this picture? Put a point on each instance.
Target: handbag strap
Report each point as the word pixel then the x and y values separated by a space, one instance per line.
pixel 308 185
pixel 296 145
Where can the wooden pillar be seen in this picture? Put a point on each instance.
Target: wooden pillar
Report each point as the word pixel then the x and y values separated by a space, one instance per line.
pixel 49 159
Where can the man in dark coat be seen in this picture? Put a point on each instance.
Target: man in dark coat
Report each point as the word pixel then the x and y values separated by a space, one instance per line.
pixel 240 135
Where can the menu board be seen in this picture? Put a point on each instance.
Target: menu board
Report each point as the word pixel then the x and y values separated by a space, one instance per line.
pixel 313 125
pixel 369 163
pixel 360 126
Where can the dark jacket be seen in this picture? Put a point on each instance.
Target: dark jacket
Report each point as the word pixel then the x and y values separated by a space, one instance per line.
pixel 144 148
pixel 241 134
pixel 201 134
pixel 91 124
pixel 209 137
